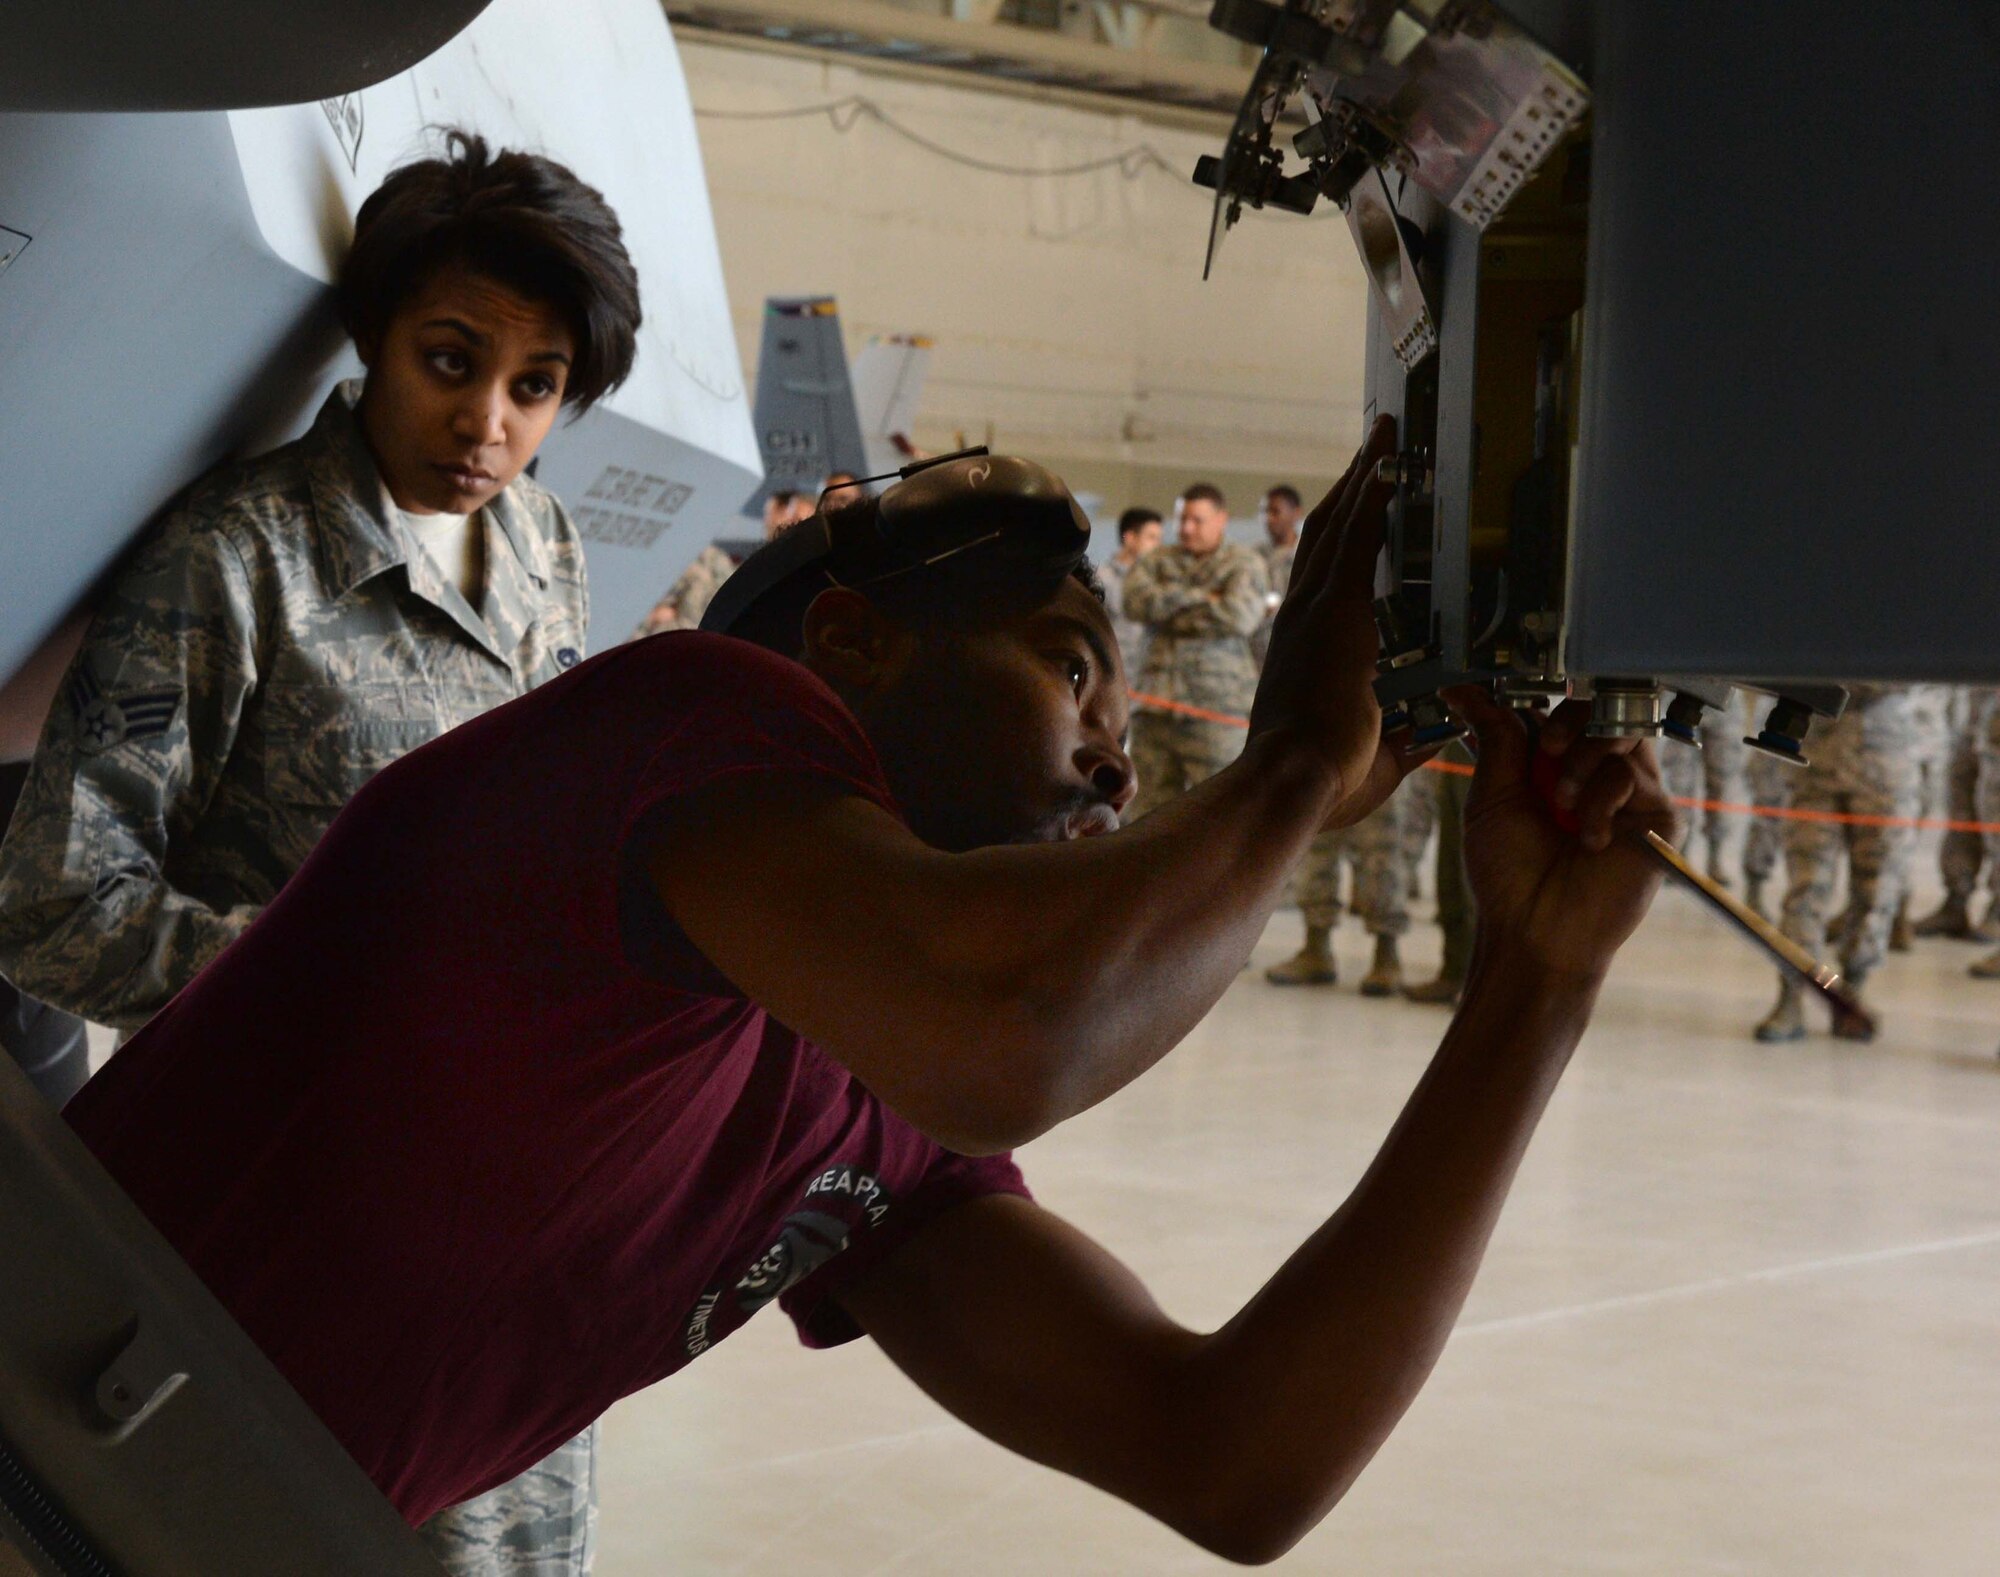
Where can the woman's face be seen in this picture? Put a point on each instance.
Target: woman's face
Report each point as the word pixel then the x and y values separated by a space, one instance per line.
pixel 462 389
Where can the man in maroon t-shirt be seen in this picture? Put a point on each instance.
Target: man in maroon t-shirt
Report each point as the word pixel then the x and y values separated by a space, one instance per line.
pixel 720 972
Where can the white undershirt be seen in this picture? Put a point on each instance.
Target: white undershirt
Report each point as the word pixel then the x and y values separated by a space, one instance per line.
pixel 457 545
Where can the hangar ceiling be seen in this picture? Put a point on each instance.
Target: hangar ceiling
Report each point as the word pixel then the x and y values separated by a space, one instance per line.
pixel 1157 52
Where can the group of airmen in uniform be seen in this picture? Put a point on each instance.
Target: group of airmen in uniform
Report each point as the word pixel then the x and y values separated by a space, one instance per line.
pixel 1193 617
pixel 1898 755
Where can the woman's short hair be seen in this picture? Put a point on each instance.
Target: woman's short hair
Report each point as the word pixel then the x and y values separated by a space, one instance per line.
pixel 522 220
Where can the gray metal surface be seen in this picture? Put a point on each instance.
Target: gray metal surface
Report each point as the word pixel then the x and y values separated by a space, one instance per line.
pixel 223 1470
pixel 1562 26
pixel 145 333
pixel 163 55
pixel 806 421
pixel 155 320
pixel 1793 362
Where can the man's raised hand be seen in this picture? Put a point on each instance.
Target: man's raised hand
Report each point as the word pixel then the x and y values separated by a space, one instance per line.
pixel 1317 693
pixel 1562 900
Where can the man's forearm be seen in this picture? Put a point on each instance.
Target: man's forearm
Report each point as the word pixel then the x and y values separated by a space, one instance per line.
pixel 1152 602
pixel 1008 988
pixel 1293 1397
pixel 1209 621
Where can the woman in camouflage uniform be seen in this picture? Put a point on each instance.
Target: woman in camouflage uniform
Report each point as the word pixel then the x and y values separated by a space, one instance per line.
pixel 299 621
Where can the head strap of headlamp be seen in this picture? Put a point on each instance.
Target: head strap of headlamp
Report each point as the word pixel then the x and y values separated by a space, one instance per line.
pixel 935 510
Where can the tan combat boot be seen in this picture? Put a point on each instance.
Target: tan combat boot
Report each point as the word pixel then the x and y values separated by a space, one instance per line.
pixel 1441 992
pixel 1786 1021
pixel 1853 1026
pixel 1753 894
pixel 1313 964
pixel 1988 929
pixel 1988 968
pixel 1902 935
pixel 1385 979
pixel 1947 919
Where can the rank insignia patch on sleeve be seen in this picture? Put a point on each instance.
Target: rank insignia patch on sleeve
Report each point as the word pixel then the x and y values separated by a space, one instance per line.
pixel 103 722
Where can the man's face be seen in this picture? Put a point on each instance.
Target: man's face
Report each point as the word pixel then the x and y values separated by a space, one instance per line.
pixel 462 389
pixel 1141 542
pixel 1203 525
pixel 1281 520
pixel 1011 735
pixel 780 515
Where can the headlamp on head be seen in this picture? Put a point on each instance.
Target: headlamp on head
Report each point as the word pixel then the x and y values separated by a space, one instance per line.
pixel 964 503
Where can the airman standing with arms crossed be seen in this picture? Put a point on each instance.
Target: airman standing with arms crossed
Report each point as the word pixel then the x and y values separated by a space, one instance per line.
pixel 1200 598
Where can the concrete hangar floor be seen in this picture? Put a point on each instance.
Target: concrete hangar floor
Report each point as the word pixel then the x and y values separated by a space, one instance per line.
pixel 1741 1315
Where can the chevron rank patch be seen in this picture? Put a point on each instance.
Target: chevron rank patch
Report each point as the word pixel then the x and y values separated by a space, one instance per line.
pixel 103 722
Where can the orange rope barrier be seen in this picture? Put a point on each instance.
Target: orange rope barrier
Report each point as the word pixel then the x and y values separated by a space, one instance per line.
pixel 1719 806
pixel 1160 703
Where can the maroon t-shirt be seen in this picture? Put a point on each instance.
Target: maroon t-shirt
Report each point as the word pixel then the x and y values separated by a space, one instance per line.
pixel 468 1135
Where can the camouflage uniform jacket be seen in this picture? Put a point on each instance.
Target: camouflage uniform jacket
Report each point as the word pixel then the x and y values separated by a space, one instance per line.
pixel 1131 634
pixel 698 585
pixel 277 639
pixel 1278 571
pixel 1199 612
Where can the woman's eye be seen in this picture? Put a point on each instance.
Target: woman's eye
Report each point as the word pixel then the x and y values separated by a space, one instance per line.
pixel 538 387
pixel 450 362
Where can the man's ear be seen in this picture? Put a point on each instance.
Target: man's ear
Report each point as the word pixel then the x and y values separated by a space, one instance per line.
pixel 852 644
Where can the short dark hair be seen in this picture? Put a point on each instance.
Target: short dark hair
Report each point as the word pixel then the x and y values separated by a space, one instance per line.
pixel 1204 493
pixel 1287 492
pixel 958 594
pixel 1137 518
pixel 517 218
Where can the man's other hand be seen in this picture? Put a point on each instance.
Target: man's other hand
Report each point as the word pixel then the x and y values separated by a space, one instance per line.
pixel 1563 900
pixel 1317 693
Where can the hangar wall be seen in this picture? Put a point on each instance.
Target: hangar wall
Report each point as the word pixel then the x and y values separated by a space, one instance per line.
pixel 1069 311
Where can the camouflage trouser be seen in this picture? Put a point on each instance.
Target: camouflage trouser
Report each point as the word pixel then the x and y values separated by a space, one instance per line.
pixel 1770 782
pixel 1420 819
pixel 1172 754
pixel 542 1524
pixel 1986 797
pixel 1961 854
pixel 1680 773
pixel 1724 760
pixel 1713 773
pixel 1878 863
pixel 1973 789
pixel 1374 847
